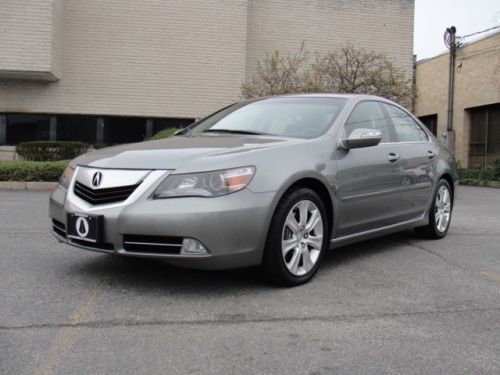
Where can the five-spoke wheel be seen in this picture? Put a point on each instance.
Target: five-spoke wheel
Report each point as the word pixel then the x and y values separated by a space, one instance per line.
pixel 297 238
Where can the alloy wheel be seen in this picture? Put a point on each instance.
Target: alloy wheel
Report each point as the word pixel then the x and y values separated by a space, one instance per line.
pixel 302 238
pixel 442 209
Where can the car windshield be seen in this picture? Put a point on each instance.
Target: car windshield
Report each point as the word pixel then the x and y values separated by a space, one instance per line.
pixel 294 117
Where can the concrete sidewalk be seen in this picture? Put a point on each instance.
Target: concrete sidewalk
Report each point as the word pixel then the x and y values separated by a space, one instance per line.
pixel 27 185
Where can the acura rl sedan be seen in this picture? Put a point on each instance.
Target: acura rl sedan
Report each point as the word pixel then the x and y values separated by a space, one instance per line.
pixel 272 182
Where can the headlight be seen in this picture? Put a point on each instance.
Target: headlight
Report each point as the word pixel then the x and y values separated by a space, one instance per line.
pixel 67 176
pixel 206 184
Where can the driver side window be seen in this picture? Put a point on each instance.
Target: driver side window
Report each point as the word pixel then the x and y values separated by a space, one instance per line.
pixel 368 115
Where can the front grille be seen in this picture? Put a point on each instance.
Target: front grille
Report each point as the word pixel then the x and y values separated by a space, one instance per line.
pixel 59 228
pixel 152 244
pixel 103 196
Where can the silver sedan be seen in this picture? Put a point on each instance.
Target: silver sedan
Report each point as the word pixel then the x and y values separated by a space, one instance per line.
pixel 273 182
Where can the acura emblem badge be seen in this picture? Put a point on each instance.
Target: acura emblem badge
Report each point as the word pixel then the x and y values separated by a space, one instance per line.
pixel 96 179
pixel 82 227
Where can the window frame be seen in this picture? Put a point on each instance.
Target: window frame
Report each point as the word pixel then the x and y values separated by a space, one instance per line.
pixel 423 128
pixel 390 125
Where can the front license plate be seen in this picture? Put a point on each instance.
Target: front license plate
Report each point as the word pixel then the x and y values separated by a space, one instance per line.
pixel 85 227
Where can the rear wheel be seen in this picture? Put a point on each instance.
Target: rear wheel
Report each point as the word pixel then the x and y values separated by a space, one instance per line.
pixel 440 213
pixel 297 238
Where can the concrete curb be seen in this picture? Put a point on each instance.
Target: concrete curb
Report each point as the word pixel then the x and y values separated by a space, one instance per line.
pixel 27 185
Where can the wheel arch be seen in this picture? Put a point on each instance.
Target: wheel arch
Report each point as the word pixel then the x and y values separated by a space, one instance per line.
pixel 316 182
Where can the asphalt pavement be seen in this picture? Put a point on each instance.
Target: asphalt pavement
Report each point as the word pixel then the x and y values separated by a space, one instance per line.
pixel 394 305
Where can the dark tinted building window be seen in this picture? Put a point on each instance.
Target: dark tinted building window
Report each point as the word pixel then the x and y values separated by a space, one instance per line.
pixel 484 141
pixel 27 127
pixel 77 128
pixel 431 122
pixel 124 130
pixel 16 128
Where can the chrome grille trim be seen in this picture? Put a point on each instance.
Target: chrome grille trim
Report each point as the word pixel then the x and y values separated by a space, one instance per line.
pixel 149 179
pixel 152 244
pixel 103 196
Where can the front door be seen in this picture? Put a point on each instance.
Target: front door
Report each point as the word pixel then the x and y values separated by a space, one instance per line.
pixel 368 179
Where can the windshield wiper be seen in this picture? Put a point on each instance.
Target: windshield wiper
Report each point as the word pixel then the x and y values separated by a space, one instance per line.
pixel 234 131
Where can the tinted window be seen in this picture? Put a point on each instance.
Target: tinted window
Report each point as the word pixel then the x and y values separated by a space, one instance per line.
pixel 484 141
pixel 368 115
pixel 431 122
pixel 27 127
pixel 406 128
pixel 286 117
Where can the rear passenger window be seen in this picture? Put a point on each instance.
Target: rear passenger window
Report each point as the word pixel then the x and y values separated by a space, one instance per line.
pixel 406 128
pixel 368 115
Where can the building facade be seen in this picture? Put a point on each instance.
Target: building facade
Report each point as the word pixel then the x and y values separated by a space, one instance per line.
pixel 476 109
pixel 112 71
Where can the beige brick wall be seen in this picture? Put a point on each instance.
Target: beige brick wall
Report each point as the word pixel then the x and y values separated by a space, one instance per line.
pixel 141 57
pixel 186 58
pixel 385 26
pixel 28 39
pixel 477 83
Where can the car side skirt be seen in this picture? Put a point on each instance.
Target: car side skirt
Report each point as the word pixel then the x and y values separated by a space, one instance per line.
pixel 378 232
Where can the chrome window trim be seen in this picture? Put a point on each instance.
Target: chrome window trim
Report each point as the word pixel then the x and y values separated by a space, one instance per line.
pixel 338 143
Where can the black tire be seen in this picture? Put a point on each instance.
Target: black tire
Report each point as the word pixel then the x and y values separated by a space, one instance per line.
pixel 273 265
pixel 431 230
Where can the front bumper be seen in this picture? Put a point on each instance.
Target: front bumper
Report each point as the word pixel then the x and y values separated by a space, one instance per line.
pixel 233 228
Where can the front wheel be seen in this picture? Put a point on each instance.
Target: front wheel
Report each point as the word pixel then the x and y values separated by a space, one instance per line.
pixel 297 239
pixel 440 213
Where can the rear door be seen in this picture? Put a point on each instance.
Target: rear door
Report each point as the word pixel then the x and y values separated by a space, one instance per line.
pixel 416 153
pixel 368 179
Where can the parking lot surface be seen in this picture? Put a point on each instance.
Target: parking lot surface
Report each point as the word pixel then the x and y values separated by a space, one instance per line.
pixel 397 304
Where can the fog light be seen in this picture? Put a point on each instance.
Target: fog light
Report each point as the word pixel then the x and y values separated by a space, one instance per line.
pixel 190 247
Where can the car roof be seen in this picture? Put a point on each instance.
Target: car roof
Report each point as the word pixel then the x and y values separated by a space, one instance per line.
pixel 326 95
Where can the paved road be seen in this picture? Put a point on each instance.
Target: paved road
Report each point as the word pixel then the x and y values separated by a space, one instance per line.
pixel 392 305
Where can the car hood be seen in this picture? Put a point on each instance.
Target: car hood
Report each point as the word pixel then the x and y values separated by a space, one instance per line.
pixel 174 152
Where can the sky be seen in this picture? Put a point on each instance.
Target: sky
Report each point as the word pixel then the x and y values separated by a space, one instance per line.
pixel 432 17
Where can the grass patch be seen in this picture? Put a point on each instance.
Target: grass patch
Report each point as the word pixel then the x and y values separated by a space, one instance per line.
pixel 20 170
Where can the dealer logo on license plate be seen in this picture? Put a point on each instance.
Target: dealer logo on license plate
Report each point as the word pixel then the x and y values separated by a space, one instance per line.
pixel 82 226
pixel 85 227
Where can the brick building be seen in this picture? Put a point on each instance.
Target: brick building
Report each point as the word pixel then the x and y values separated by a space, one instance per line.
pixel 112 71
pixel 476 110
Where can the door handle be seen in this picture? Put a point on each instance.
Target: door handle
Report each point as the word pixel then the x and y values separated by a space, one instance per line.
pixel 430 154
pixel 392 157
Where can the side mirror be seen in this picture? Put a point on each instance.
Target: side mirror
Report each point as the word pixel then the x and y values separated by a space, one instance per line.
pixel 363 138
